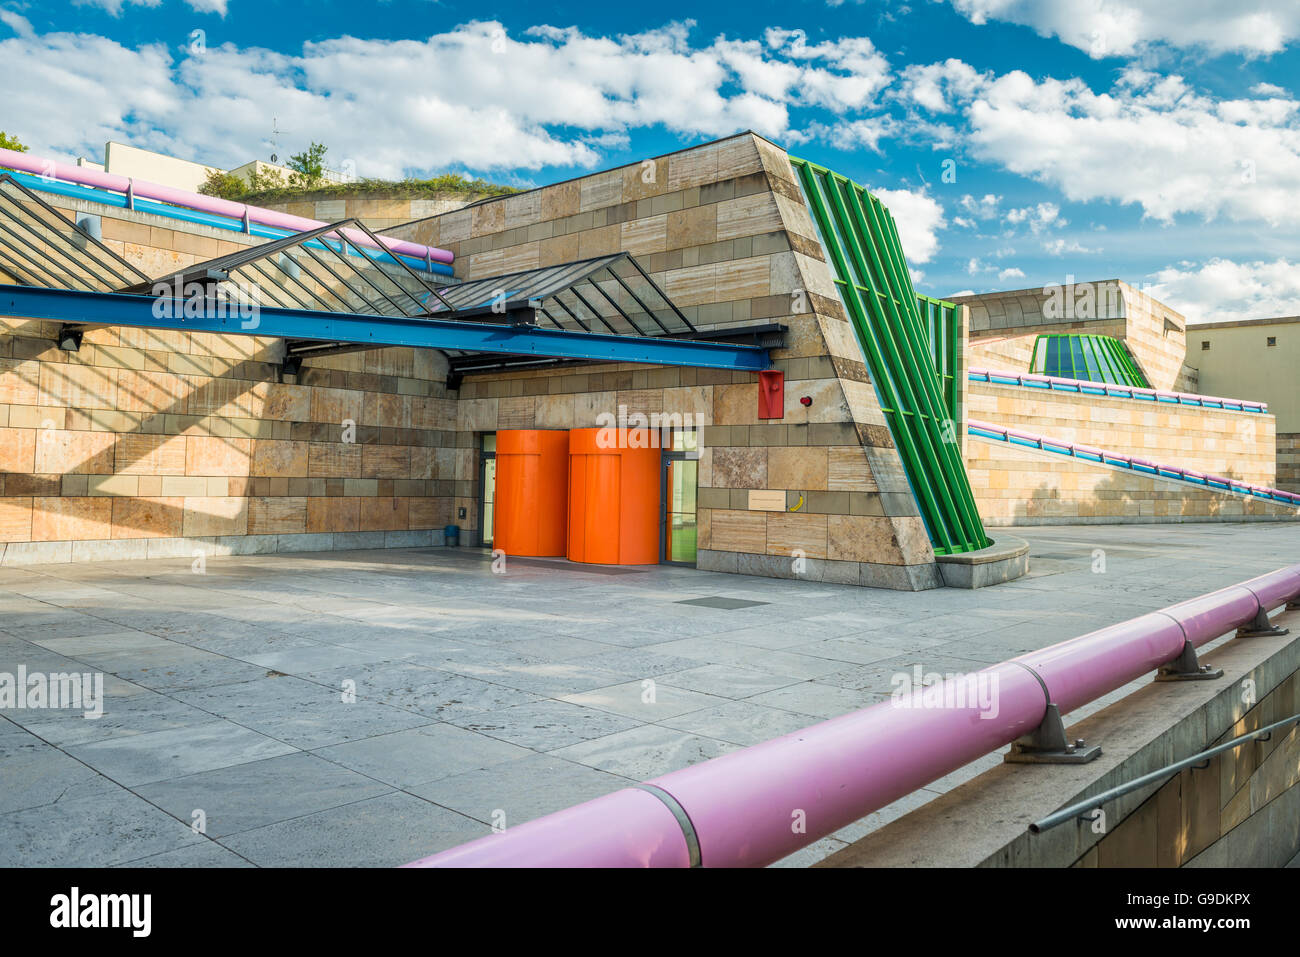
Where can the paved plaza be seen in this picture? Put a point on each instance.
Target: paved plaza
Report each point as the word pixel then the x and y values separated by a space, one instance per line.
pixel 371 707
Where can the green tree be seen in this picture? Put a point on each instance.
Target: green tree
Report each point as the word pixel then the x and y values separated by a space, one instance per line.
pixel 308 167
pixel 11 143
pixel 223 185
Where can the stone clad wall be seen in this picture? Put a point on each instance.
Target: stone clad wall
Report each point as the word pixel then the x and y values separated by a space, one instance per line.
pixel 723 229
pixel 1288 461
pixel 378 210
pixel 1015 485
pixel 148 443
pixel 1237 445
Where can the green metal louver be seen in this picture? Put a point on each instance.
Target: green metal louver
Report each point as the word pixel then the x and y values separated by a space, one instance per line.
pixel 905 348
pixel 939 320
pixel 1092 358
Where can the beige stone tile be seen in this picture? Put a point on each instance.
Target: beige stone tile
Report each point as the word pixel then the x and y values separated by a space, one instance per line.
pixel 789 533
pixel 734 530
pixel 799 468
pixel 207 516
pixel 277 515
pixel 71 519
pixel 333 514
pixel 279 459
pixel 848 471
pixel 150 454
pixel 59 452
pixel 207 455
pixel 148 517
pixel 15 519
pixel 17 450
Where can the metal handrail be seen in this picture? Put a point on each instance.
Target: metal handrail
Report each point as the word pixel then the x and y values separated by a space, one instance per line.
pixel 1097 800
pixel 1088 387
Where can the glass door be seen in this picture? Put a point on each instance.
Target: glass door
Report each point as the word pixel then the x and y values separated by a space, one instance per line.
pixel 681 472
pixel 488 483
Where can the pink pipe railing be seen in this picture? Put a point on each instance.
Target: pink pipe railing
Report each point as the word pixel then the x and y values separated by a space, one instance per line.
pixel 1202 479
pixel 755 806
pixel 208 204
pixel 1115 391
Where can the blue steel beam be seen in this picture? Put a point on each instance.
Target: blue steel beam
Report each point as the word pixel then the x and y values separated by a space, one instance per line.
pixel 150 312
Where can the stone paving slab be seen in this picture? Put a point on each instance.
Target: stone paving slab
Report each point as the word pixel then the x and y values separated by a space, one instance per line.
pixel 371 707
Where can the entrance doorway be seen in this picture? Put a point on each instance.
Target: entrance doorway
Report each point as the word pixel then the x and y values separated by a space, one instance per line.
pixel 681 471
pixel 488 484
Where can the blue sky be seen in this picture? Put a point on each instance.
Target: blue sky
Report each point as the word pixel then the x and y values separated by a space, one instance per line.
pixel 1153 140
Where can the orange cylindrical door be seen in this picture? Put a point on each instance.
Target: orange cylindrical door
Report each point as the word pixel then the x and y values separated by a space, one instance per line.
pixel 613 498
pixel 532 492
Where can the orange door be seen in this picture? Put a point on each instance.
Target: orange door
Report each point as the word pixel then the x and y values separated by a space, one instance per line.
pixel 613 499
pixel 532 483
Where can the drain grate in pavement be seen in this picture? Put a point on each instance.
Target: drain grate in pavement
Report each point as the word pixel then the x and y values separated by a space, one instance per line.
pixel 719 602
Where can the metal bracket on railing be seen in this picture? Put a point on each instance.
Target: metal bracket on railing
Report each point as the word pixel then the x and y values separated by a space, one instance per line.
pixel 1047 744
pixel 1187 667
pixel 1261 627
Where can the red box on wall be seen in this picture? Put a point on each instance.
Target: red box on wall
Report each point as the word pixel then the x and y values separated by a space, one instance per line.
pixel 771 394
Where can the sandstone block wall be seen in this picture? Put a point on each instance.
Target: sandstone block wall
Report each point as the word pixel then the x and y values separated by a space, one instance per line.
pixel 378 210
pixel 1288 461
pixel 149 443
pixel 1233 444
pixel 1015 485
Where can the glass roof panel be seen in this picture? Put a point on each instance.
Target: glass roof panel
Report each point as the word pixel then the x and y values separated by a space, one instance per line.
pixel 40 246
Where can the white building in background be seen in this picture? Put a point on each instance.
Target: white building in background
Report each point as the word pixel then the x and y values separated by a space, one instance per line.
pixel 123 160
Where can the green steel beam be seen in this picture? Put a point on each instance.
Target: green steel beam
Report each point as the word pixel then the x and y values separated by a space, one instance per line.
pixel 912 360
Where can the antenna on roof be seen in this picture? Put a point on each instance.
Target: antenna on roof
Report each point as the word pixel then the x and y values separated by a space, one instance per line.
pixel 275 140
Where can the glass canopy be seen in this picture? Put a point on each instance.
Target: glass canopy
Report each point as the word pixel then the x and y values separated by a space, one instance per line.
pixel 39 246
pixel 1086 357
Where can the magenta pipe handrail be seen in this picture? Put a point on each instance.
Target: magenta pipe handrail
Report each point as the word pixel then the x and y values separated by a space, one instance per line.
pixel 1174 471
pixel 757 805
pixel 1114 391
pixel 99 179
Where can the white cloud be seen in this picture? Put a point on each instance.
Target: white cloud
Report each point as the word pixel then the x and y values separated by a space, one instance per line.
pixel 1104 28
pixel 1010 273
pixel 1037 217
pixel 987 206
pixel 1151 140
pixel 1221 290
pixel 549 97
pixel 1059 247
pixel 115 7
pixel 919 217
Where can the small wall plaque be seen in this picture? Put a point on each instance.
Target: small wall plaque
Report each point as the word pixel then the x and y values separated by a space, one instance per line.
pixel 766 500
